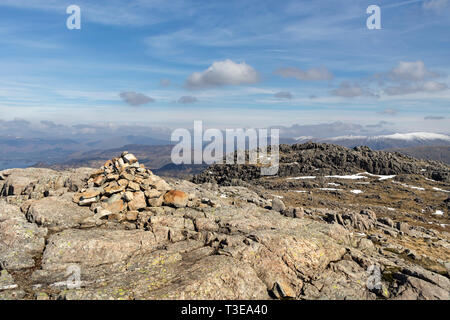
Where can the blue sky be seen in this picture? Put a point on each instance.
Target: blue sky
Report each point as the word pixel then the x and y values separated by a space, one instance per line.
pixel 228 63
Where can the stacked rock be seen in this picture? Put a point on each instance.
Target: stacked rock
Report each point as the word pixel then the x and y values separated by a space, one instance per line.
pixel 123 187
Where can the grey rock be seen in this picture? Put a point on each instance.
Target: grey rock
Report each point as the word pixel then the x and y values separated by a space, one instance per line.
pixel 278 205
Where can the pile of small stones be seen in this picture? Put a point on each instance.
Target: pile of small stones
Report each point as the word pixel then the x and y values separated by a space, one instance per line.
pixel 122 188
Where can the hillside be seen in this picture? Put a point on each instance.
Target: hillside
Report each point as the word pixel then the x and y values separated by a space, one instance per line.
pixel 328 159
pixel 437 153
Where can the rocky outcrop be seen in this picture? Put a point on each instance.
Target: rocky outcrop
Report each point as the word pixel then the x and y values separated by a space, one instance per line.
pixel 327 159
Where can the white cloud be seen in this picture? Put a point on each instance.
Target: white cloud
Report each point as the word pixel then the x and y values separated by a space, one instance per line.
pixel 411 71
pixel 428 86
pixel 313 74
pixel 431 86
pixel 222 73
pixel 135 98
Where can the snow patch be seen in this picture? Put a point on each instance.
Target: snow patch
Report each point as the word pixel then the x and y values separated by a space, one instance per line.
pixel 333 184
pixel 439 189
pixel 379 176
pixel 411 187
pixel 349 177
pixel 356 191
pixel 301 178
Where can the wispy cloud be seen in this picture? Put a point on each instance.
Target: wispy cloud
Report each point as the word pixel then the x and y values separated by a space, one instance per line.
pixel 187 99
pixel 352 90
pixel 135 98
pixel 313 74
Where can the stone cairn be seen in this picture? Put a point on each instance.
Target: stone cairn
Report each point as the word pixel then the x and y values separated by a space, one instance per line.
pixel 123 187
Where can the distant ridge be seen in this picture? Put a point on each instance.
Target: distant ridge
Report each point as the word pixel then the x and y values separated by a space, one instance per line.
pixel 383 142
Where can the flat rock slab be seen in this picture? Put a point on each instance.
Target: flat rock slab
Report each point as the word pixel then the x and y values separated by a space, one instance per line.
pixel 185 270
pixel 57 213
pixel 20 243
pixel 16 180
pixel 94 247
pixel 8 211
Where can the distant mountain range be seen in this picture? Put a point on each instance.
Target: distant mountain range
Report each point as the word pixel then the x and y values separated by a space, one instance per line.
pixel 155 153
pixel 383 142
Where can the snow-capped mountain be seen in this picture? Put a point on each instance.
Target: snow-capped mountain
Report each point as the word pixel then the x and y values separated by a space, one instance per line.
pixel 380 142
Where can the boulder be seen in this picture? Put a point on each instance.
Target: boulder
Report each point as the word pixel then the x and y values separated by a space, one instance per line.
pixel 176 198
pixel 278 205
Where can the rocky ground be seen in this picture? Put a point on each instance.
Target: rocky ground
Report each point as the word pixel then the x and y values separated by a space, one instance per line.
pixel 130 234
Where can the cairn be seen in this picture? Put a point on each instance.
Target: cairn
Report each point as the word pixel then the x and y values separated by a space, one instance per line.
pixel 122 188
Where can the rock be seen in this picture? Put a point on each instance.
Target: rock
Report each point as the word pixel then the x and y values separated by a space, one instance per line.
pixel 87 202
pixel 134 186
pixel 128 196
pixel 129 158
pixel 132 215
pixel 152 193
pixel 15 185
pixel 161 185
pixel 387 221
pixel 417 289
pixel 403 227
pixel 114 204
pixel 99 180
pixel 110 190
pixel 366 245
pixel 8 211
pixel 57 213
pixel 90 193
pixel 351 220
pixel 278 205
pixel 176 198
pixel 299 212
pixel 282 290
pixel 103 213
pixel 6 281
pixel 303 160
pixel 369 213
pixel 20 243
pixel 138 202
pixel 156 202
pixel 95 247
